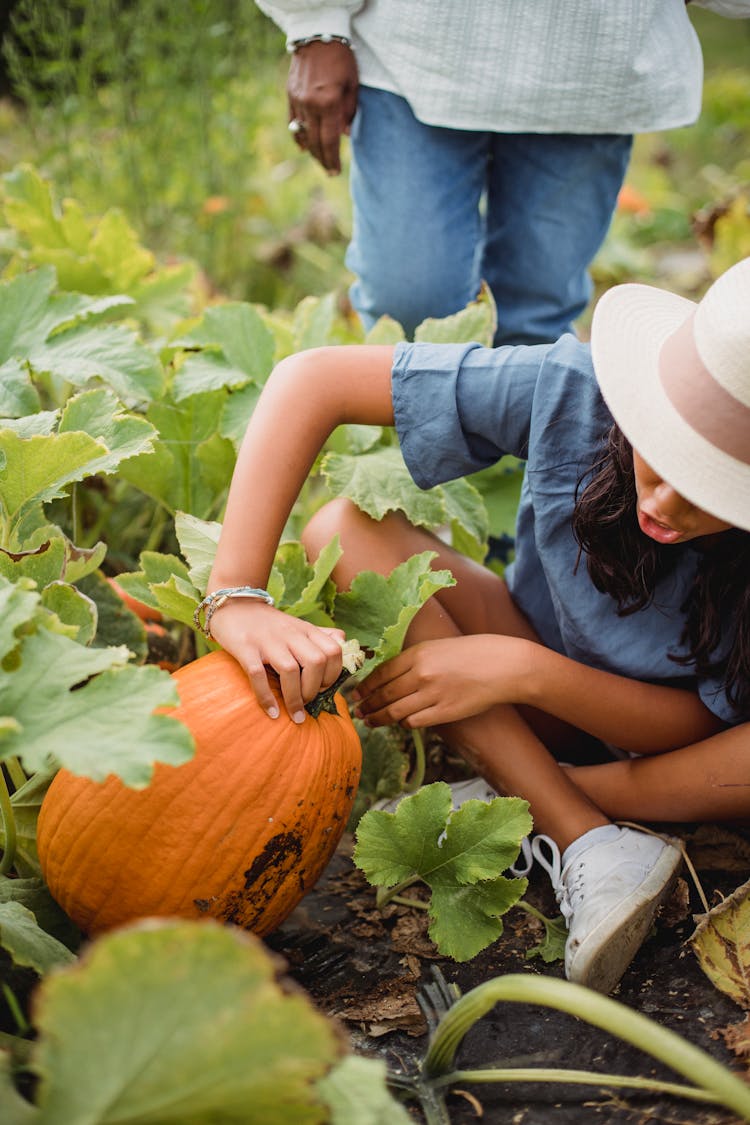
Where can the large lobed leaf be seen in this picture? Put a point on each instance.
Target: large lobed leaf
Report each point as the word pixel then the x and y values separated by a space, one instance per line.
pixel 460 855
pixel 94 436
pixel 51 334
pixel 378 609
pixel 180 1023
pixel 378 482
pixel 83 708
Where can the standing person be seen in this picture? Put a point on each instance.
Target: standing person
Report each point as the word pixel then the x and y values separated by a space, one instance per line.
pixel 490 139
pixel 624 615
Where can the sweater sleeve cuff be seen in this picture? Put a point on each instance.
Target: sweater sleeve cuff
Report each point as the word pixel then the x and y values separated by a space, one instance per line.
pixel 322 21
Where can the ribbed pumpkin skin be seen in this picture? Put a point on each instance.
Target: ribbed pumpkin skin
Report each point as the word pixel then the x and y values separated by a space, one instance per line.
pixel 239 833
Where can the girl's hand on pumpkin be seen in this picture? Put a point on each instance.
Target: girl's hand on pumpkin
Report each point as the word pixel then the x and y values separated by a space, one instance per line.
pixel 442 681
pixel 307 658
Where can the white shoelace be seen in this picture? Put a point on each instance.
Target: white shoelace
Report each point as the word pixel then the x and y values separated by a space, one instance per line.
pixel 566 893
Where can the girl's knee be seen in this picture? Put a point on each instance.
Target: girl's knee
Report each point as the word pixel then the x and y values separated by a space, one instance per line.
pixel 337 517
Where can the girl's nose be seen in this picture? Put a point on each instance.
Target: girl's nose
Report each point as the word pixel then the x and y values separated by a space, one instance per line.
pixel 670 502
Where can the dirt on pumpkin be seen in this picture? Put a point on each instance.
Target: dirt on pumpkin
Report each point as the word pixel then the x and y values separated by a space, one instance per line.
pixel 367 969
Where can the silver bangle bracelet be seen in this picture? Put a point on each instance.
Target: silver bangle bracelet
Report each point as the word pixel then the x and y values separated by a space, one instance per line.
pixel 293 45
pixel 218 598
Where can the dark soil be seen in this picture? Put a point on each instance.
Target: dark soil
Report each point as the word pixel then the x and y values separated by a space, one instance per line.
pixel 366 968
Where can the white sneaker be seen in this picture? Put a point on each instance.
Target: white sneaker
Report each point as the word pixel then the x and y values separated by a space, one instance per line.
pixel 608 894
pixel 473 789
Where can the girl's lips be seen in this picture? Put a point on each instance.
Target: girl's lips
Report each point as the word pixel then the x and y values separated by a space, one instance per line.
pixel 657 531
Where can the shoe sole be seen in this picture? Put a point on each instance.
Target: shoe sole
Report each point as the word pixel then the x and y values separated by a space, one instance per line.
pixel 600 960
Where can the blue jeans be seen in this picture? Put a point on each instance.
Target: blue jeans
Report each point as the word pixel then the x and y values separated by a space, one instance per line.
pixel 436 210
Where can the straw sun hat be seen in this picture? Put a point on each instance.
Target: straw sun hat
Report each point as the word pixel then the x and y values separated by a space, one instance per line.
pixel 676 377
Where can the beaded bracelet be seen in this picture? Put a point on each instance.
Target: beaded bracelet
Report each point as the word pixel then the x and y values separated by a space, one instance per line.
pixel 218 598
pixel 293 45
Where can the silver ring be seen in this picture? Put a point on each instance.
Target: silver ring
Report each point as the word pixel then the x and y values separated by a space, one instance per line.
pixel 296 126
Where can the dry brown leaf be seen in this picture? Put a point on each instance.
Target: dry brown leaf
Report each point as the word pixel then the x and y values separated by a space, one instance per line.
pixel 714 847
pixel 737 1038
pixel 722 945
pixel 393 1008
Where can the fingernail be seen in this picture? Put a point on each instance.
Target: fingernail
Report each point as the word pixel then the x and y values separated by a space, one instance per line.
pixel 273 712
pixel 298 717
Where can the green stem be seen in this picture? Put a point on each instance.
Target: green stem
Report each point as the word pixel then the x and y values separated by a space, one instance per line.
pixel 522 904
pixel 402 900
pixel 9 827
pixel 15 1010
pixel 598 1010
pixel 417 777
pixel 574 1078
pixel 15 772
pixel 75 514
pixel 384 895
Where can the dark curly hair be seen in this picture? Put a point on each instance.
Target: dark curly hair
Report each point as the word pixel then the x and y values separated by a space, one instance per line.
pixel 627 565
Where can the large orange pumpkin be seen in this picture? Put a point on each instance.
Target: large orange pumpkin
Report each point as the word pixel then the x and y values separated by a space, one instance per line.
pixel 238 833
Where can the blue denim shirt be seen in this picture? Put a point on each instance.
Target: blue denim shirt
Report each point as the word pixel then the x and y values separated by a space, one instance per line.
pixel 459 408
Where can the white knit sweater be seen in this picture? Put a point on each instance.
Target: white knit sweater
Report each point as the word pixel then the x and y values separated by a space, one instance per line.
pixel 543 66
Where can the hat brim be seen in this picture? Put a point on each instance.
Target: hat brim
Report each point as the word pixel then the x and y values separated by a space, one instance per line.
pixel 630 324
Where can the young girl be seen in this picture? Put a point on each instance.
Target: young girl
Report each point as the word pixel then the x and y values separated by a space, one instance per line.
pixel 625 615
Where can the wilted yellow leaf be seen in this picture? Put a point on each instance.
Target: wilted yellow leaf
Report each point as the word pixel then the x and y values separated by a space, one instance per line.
pixel 722 945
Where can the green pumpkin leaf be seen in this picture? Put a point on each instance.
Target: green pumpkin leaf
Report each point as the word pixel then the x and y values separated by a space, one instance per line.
pixel 18 604
pixel 385 330
pixel 33 894
pixel 313 322
pixel 242 337
pixel 111 353
pixel 198 540
pixel 552 946
pixel 18 396
pixel 26 802
pixel 43 564
pixel 378 610
pixel 175 473
pixel 307 587
pixel 378 482
pixel 99 414
pixel 117 252
pixel 477 322
pixel 122 1035
pixel 27 943
pixel 467 514
pixel 206 371
pixel 459 854
pixel 237 412
pixel 107 725
pixel 73 608
pixel 357 1094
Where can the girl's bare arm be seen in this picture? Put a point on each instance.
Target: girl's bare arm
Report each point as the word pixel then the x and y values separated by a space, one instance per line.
pixel 443 681
pixel 305 398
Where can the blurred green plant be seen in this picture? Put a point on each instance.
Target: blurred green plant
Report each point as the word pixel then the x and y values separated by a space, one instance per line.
pixel 174 113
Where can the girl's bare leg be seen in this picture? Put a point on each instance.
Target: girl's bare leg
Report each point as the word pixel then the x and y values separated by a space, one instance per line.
pixel 503 744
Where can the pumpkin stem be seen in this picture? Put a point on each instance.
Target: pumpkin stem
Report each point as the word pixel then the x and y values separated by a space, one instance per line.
pixel 324 700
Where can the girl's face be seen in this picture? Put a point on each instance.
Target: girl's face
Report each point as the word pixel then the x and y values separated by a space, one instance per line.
pixel 666 516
